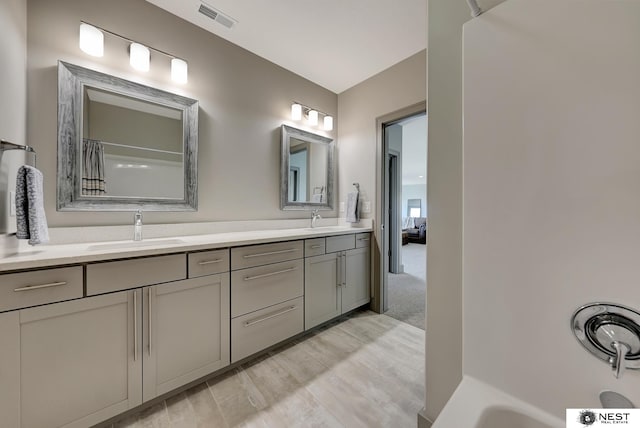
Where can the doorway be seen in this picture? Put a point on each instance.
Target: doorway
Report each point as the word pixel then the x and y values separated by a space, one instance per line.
pixel 403 216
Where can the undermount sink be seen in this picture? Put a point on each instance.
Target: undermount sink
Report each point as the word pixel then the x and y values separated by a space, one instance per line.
pixel 135 244
pixel 326 228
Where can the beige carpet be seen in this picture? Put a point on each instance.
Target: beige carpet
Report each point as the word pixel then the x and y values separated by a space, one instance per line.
pixel 407 291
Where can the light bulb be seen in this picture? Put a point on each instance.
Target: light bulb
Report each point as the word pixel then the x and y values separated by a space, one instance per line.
pixel 91 40
pixel 313 117
pixel 179 70
pixel 296 111
pixel 139 56
pixel 328 123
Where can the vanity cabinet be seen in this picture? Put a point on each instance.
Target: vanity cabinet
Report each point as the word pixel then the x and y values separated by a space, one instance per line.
pixel 82 344
pixel 337 282
pixel 267 288
pixel 186 332
pixel 71 364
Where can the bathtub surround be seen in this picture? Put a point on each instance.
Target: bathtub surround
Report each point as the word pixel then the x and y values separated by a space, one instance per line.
pixel 551 193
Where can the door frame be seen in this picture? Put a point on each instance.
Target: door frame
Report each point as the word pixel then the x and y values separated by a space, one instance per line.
pixel 381 248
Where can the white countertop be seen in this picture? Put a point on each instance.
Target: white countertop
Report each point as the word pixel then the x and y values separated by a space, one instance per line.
pixel 65 254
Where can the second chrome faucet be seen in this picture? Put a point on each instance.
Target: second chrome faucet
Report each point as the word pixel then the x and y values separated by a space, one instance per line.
pixel 315 217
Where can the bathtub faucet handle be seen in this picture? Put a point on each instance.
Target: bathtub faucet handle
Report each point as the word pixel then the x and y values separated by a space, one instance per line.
pixel 618 365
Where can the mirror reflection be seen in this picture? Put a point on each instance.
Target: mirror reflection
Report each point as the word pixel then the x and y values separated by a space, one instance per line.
pixel 307 170
pixel 130 147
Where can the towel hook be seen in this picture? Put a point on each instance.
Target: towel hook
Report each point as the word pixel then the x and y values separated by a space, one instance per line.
pixel 357 185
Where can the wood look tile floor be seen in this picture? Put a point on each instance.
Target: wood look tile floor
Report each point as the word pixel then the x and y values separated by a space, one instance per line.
pixel 364 371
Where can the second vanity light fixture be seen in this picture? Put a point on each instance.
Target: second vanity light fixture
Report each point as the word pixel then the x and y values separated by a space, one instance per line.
pixel 92 43
pixel 298 111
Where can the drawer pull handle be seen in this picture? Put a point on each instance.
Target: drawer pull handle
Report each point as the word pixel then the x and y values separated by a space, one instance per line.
pixel 264 275
pixel 363 239
pixel 135 326
pixel 35 287
pixel 315 247
pixel 208 262
pixel 270 253
pixel 268 317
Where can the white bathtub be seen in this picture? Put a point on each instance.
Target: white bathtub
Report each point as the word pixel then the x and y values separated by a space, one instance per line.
pixel 475 404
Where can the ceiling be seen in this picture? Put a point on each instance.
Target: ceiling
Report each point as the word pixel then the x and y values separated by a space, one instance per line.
pixel 334 43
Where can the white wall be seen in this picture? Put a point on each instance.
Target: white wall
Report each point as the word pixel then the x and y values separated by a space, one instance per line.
pixel 157 179
pixel 414 191
pixel 551 192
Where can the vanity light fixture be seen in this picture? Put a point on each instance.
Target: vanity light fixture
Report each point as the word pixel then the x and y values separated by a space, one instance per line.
pixel 91 40
pixel 313 117
pixel 92 43
pixel 328 123
pixel 139 56
pixel 179 70
pixel 298 111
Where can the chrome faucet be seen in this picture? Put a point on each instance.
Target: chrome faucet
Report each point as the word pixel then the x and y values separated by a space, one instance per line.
pixel 314 217
pixel 137 226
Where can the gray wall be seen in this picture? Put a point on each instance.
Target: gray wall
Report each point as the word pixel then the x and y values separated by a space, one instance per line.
pixel 13 89
pixel 398 87
pixel 444 190
pixel 13 86
pixel 243 101
pixel 444 187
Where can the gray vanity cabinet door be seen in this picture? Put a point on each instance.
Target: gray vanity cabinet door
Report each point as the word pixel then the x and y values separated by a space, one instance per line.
pixel 79 360
pixel 10 369
pixel 356 288
pixel 322 297
pixel 186 332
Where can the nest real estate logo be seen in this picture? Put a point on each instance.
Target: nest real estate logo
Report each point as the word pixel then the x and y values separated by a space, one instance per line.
pixel 581 418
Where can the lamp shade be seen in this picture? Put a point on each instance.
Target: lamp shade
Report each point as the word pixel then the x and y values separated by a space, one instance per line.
pixel 328 123
pixel 296 111
pixel 179 70
pixel 91 40
pixel 313 117
pixel 139 56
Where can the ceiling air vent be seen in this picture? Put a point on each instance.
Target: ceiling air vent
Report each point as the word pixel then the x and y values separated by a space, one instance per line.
pixel 216 15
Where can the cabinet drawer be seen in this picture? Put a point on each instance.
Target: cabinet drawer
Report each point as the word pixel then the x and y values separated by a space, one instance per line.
pixel 124 274
pixel 208 262
pixel 340 243
pixel 257 255
pixel 363 240
pixel 313 247
pixel 20 290
pixel 259 287
pixel 258 330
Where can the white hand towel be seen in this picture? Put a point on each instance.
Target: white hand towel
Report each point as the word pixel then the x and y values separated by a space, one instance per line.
pixel 30 216
pixel 353 213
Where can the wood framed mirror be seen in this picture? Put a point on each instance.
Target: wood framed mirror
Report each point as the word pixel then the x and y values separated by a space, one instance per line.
pixel 307 169
pixel 124 146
